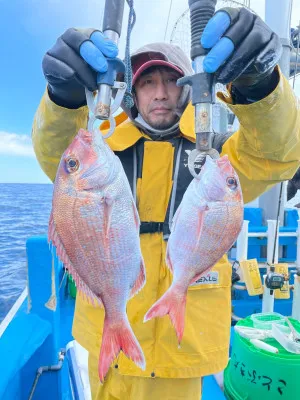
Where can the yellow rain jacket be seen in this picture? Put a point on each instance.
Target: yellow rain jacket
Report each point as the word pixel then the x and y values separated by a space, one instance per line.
pixel 264 151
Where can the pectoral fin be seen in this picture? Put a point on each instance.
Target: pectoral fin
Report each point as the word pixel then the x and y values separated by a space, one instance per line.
pixel 136 216
pixel 168 260
pixel 82 288
pixel 200 222
pixel 140 281
pixel 109 205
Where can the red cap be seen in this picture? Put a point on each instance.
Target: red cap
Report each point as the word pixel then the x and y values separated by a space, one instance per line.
pixel 143 61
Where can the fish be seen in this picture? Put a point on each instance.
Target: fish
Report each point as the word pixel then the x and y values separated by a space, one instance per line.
pixel 94 226
pixel 205 226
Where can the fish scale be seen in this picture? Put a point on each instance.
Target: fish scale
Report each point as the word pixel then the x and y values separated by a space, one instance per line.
pixel 205 226
pixel 94 226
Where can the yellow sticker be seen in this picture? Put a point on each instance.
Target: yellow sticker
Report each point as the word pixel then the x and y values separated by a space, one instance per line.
pixel 252 277
pixel 284 292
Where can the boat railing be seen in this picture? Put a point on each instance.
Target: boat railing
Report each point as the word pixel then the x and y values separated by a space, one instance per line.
pixel 273 240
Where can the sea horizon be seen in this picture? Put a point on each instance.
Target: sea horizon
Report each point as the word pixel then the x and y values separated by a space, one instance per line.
pixel 24 212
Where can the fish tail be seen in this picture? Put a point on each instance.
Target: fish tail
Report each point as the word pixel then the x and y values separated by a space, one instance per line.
pixel 117 337
pixel 173 303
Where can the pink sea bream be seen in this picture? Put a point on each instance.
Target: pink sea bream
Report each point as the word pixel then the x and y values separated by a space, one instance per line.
pixel 94 226
pixel 205 226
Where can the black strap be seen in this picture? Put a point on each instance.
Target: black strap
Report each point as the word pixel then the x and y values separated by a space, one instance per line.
pixel 153 227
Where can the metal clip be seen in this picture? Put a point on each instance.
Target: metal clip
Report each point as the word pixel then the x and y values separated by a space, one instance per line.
pixel 106 83
pixel 198 157
pixel 202 98
pixel 121 89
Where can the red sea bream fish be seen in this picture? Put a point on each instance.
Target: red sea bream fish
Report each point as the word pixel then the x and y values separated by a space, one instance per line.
pixel 94 226
pixel 204 228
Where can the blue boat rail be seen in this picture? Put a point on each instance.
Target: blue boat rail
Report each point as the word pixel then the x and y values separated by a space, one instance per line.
pixel 266 236
pixel 256 242
pixel 36 331
pixel 256 239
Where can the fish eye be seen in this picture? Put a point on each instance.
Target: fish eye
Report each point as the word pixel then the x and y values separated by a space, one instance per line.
pixel 231 182
pixel 72 164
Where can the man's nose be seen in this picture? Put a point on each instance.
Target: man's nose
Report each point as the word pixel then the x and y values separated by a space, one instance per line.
pixel 161 92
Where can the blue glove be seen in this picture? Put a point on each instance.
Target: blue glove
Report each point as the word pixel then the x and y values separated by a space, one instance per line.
pixel 72 64
pixel 243 50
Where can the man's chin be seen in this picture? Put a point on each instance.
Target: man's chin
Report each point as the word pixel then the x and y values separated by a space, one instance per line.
pixel 162 125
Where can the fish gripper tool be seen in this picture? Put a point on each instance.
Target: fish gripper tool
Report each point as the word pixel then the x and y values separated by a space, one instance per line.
pixel 202 84
pixel 108 86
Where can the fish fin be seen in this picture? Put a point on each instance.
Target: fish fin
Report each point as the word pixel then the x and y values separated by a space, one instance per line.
pixel 140 281
pixel 201 208
pixel 200 223
pixel 109 204
pixel 117 337
pixel 168 260
pixel 173 303
pixel 51 227
pixel 81 286
pixel 136 216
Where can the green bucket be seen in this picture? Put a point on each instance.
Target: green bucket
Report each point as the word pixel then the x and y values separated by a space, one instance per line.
pixel 256 374
pixel 72 286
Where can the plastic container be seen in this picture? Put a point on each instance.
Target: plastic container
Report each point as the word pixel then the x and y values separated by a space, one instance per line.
pixel 253 373
pixel 265 320
pixel 286 341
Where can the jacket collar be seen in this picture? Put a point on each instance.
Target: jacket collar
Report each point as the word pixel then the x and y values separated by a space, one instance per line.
pixel 127 134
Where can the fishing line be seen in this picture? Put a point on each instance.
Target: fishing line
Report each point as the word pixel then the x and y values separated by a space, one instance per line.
pixel 281 185
pixel 171 2
pixel 277 222
pixel 128 100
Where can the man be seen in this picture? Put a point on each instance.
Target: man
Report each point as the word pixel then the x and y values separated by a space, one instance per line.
pixel 153 145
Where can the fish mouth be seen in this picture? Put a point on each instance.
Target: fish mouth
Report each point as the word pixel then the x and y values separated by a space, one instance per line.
pixel 225 165
pixel 224 160
pixel 85 136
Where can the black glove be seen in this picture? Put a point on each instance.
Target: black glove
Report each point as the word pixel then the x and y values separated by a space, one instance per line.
pixel 72 64
pixel 244 51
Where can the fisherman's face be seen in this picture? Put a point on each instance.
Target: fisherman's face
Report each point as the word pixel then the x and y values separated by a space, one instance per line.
pixel 157 97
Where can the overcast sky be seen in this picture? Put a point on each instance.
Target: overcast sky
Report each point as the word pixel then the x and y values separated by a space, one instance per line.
pixel 28 28
pixel 152 18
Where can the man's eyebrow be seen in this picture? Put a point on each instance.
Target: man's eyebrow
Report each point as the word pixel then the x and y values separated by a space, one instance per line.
pixel 175 73
pixel 170 73
pixel 147 75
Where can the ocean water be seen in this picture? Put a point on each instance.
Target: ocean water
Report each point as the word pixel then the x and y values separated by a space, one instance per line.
pixel 24 212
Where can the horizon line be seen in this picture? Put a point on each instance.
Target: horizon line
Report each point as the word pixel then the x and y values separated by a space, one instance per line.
pixel 26 183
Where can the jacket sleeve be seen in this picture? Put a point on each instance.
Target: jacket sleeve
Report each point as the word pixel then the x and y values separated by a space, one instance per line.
pixel 266 148
pixel 53 129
